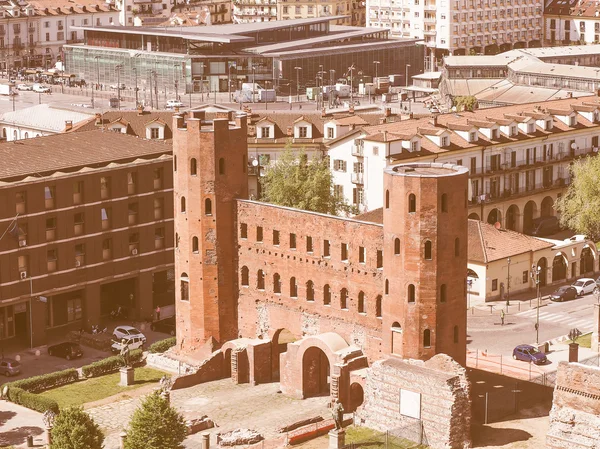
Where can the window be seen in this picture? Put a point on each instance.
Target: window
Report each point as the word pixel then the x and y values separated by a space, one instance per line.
pixel 221 166
pixel 456 247
pixel 293 288
pixel 427 338
pixel 326 248
pixel 310 291
pixel 158 178
pixel 375 151
pixel 106 249
pixel 134 241
pixel 78 192
pixel 276 283
pixel 207 206
pixel 104 188
pixel 243 230
pixel 193 167
pixel 285 10
pixel 132 212
pixel 105 217
pixel 21 202
pixel 445 141
pixel 444 202
pixel 443 293
pixel 309 244
pixel 330 133
pixel 183 204
pixel 387 199
pixel 338 191
pixel 23 262
pixel 265 132
pixel 326 295
pixel 78 220
pixel 245 276
pixel 362 254
pixel 131 183
pixel 174 162
pixel 397 246
pixel 412 203
pixel 292 241
pixel 572 120
pixel 159 205
pixel 361 303
pixel 297 10
pixel 472 136
pixel 50 228
pixel 259 234
pixel 379 258
pixel 411 293
pixel 79 255
pixel 195 249
pixel 344 299
pixel 260 280
pixel 185 287
pixel 494 285
pixel 455 334
pixel 378 306
pixel 159 238
pixel 494 135
pixel 49 194
pixel 427 252
pixel 74 310
pixel 344 252
pixel 51 257
pixel 513 130
pixel 47 37
pixel 275 237
pixel 339 165
pixel 386 289
pixel 525 279
pixel 530 128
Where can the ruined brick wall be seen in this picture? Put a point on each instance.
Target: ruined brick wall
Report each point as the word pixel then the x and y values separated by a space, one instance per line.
pixel 444 411
pixel 575 414
pixel 262 310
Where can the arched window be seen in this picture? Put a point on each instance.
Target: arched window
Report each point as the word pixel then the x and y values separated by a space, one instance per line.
pixel 344 299
pixel 412 203
pixel 245 276
pixel 378 306
pixel 456 247
pixel 411 293
pixel 443 293
pixel 427 338
pixel 444 202
pixel 27 135
pixel 293 288
pixel 207 206
pixel 15 134
pixel 455 334
pixel 183 204
pixel 260 280
pixel 397 246
pixel 361 303
pixel 276 283
pixel 387 199
pixel 193 167
pixel 326 295
pixel 244 163
pixel 185 287
pixel 310 291
pixel 387 287
pixel 195 244
pixel 221 166
pixel 427 252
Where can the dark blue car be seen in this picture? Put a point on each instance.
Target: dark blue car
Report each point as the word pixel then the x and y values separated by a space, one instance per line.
pixel 528 353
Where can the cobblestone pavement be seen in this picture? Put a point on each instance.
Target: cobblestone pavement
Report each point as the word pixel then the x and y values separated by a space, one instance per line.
pixel 230 406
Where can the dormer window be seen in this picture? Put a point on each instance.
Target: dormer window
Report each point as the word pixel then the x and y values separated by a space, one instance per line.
pixel 265 132
pixel 330 133
pixel 302 131
pixel 494 134
pixel 513 130
pixel 548 125
pixel 445 141
pixel 530 128
pixel 572 120
pixel 473 136
pixel 414 146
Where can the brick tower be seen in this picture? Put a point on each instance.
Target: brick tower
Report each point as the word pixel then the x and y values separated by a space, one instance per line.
pixel 210 172
pixel 425 260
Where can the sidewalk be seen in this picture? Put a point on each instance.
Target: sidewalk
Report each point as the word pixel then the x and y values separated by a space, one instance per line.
pixel 17 423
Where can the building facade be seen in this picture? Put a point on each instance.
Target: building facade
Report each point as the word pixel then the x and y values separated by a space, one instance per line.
pixel 88 230
pixel 571 22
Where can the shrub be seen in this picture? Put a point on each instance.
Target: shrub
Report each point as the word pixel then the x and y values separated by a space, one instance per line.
pixel 110 364
pixel 31 400
pixel 75 429
pixel 162 345
pixel 44 382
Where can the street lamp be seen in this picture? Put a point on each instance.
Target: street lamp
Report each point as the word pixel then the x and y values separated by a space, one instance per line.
pixel 331 87
pixel 297 69
pixel 136 86
pixel 97 77
pixel 535 276
pixel 119 67
pixel 508 284
pixel 253 82
pixel 176 83
pixel 376 76
pixel 351 70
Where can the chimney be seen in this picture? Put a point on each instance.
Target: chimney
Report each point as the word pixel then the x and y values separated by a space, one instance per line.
pixel 351 110
pixel 434 120
pixel 323 113
pixel 98 119
pixel 569 94
pixel 290 131
pixel 68 125
pixel 225 114
pixel 388 112
pixel 200 115
pixel 178 121
pixel 140 109
pixel 385 136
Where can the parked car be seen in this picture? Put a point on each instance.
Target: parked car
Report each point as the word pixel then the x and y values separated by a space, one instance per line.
pixel 116 86
pixel 24 87
pixel 135 342
pixel 544 226
pixel 41 88
pixel 584 286
pixel 174 104
pixel 10 367
pixel 528 353
pixel 167 326
pixel 121 332
pixel 564 293
pixel 66 349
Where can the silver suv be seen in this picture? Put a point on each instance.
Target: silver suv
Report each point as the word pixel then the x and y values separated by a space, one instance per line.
pixel 10 367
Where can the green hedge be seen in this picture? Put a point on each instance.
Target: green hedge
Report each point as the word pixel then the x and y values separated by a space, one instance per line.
pixel 31 400
pixel 162 345
pixel 110 364
pixel 44 382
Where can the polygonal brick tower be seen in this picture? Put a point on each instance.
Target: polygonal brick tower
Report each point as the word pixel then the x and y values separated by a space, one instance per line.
pixel 210 172
pixel 425 260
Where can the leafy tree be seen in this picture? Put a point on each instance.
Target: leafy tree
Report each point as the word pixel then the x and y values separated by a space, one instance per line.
pixel 295 181
pixel 465 103
pixel 75 429
pixel 579 208
pixel 156 425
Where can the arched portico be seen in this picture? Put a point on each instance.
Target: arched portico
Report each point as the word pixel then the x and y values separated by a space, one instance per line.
pixel 559 267
pixel 512 218
pixel 529 214
pixel 495 216
pixel 474 216
pixel 547 208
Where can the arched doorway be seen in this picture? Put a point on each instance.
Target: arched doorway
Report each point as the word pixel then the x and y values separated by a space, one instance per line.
pixel 315 373
pixel 547 209
pixel 357 396
pixel 529 213
pixel 279 344
pixel 543 264
pixel 586 261
pixel 495 216
pixel 474 216
pixel 396 338
pixel 512 216
pixel 559 268
pixel 227 364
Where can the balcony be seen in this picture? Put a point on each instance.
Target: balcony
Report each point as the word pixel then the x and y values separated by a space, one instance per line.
pixel 357 178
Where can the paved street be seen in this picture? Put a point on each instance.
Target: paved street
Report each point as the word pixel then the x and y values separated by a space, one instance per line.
pixel 16 423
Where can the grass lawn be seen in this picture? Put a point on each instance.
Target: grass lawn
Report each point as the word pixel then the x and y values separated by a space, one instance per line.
pixel 585 341
pixel 97 388
pixel 365 437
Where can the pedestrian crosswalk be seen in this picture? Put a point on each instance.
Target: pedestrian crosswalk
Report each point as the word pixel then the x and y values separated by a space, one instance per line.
pixel 583 324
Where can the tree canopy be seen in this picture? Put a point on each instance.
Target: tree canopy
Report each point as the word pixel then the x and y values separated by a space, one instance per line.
pixel 579 208
pixel 75 429
pixel 295 181
pixel 465 103
pixel 155 425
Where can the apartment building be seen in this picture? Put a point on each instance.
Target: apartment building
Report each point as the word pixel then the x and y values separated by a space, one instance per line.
pixel 571 22
pixel 461 27
pixel 220 11
pixel 87 225
pixel 518 156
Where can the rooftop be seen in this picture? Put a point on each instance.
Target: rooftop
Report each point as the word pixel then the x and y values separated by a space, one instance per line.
pixel 45 117
pixel 427 170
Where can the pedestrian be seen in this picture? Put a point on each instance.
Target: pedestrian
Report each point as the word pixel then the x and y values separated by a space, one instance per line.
pixel 502 316
pixel 157 313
